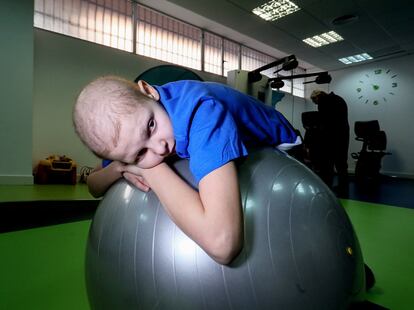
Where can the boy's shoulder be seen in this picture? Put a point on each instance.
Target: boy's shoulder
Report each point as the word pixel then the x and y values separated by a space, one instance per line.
pixel 187 96
pixel 195 86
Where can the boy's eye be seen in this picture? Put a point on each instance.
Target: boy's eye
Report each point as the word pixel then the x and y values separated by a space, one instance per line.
pixel 151 124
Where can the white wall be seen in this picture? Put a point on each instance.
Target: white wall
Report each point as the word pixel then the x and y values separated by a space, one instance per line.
pixel 395 114
pixel 16 84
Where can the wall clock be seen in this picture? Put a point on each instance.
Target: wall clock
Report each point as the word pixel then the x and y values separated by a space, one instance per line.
pixel 377 87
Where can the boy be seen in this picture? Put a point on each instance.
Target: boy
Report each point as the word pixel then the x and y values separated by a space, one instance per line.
pixel 138 126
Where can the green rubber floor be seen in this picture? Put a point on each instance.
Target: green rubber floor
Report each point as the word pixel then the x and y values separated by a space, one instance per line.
pixel 386 236
pixel 43 268
pixel 43 192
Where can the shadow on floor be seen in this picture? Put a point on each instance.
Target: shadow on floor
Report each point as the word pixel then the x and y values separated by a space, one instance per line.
pixel 386 190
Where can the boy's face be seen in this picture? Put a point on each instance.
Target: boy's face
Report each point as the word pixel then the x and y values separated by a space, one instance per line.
pixel 146 137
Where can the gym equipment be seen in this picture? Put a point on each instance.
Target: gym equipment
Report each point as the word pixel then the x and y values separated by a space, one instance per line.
pixel 257 85
pixel 300 250
pixel 162 74
pixel 374 143
pixel 321 78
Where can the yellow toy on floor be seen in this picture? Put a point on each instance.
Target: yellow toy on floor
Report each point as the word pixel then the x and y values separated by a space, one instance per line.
pixel 55 169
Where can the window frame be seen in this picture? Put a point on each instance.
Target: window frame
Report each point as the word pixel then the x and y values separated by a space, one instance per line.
pixel 202 47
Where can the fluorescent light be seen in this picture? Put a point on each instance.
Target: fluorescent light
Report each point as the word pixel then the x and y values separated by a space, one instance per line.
pixel 323 39
pixel 345 61
pixel 355 58
pixel 366 56
pixel 275 9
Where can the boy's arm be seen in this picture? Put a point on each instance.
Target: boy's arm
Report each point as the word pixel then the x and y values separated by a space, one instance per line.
pixel 211 217
pixel 101 178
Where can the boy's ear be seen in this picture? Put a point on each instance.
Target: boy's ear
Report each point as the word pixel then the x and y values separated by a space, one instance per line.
pixel 148 90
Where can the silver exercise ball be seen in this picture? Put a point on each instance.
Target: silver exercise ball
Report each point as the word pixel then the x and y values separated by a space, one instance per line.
pixel 300 250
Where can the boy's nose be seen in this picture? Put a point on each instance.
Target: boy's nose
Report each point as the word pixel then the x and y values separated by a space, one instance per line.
pixel 161 148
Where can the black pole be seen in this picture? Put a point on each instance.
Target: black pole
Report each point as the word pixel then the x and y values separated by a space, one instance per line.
pixel 255 76
pixel 297 76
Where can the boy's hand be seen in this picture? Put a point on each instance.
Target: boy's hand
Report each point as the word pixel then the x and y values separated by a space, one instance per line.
pixel 137 180
pixel 134 175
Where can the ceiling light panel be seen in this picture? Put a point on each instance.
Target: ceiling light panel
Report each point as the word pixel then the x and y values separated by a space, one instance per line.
pixel 323 39
pixel 275 9
pixel 355 58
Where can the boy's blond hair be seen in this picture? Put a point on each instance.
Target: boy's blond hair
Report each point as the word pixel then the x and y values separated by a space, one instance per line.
pixel 99 109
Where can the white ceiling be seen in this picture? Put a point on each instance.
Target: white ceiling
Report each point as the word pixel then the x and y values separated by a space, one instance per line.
pixel 384 28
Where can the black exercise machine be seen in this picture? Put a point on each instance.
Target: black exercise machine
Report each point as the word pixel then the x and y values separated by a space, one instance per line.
pixel 374 143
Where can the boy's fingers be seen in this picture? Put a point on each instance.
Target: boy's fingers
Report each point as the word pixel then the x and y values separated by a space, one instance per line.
pixel 133 169
pixel 136 181
pixel 143 181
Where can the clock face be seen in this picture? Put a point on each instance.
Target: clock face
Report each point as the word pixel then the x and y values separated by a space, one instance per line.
pixel 377 87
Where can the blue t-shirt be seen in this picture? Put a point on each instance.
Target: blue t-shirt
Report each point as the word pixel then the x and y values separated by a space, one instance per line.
pixel 214 123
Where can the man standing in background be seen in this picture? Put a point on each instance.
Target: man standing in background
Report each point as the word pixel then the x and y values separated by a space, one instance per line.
pixel 334 130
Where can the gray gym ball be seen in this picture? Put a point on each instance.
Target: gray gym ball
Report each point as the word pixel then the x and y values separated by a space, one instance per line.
pixel 300 250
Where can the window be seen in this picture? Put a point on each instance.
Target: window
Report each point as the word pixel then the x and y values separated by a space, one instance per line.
pixel 231 56
pixel 252 59
pixel 104 22
pixel 165 38
pixel 135 28
pixel 213 53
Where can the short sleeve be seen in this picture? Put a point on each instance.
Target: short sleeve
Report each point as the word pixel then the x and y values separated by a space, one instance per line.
pixel 213 139
pixel 105 162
